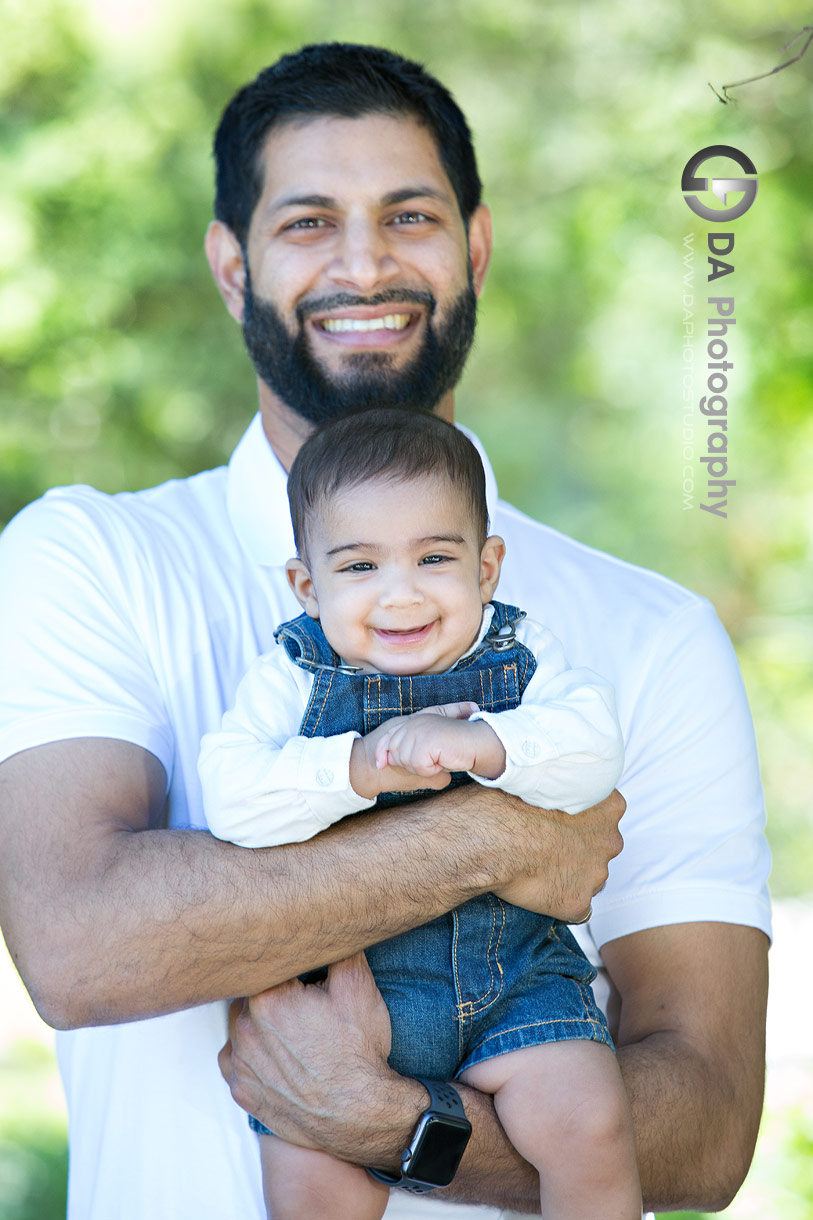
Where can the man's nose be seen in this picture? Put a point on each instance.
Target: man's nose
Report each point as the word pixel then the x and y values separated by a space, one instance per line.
pixel 364 260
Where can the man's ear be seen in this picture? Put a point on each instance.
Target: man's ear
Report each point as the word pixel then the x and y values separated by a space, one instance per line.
pixel 225 257
pixel 299 578
pixel 491 558
pixel 480 245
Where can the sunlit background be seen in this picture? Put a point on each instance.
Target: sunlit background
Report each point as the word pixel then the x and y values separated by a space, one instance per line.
pixel 119 366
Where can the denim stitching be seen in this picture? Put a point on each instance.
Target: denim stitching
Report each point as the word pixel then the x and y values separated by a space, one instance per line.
pixel 324 704
pixel 485 1003
pixel 369 683
pixel 586 1020
pixel 591 973
pixel 460 1016
pixel 471 1008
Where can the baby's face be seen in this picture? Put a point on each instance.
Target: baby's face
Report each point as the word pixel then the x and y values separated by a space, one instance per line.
pixel 396 575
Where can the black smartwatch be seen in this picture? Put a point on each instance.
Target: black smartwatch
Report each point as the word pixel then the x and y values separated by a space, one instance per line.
pixel 437 1147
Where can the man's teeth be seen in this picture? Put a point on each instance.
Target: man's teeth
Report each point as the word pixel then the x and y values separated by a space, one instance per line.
pixel 390 321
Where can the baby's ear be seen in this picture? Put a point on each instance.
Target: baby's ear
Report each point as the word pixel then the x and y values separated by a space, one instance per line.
pixel 299 578
pixel 491 558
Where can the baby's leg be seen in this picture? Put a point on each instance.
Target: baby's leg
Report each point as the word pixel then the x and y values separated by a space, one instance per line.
pixel 564 1108
pixel 302 1184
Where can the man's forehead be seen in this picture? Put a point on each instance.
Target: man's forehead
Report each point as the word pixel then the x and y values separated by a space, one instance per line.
pixel 325 158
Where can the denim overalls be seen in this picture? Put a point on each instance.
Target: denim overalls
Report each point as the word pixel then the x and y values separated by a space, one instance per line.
pixel 487 977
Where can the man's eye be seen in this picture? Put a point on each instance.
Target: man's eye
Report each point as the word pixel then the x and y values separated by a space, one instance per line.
pixel 411 218
pixel 307 222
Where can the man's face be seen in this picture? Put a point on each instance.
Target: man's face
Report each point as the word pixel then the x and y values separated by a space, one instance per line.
pixel 359 290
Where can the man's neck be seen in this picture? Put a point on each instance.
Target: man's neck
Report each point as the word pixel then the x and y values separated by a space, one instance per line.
pixel 286 431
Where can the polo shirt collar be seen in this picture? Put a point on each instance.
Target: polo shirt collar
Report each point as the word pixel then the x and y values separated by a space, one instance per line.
pixel 257 497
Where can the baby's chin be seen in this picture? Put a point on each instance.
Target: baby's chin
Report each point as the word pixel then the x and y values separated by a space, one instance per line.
pixel 404 666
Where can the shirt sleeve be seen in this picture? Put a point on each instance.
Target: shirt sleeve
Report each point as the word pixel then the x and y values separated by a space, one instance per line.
pixel 563 744
pixel 263 784
pixel 74 663
pixel 694 829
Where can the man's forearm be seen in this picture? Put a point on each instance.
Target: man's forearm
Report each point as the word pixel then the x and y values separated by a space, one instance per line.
pixel 110 919
pixel 165 919
pixel 692 1055
pixel 492 1172
pixel 694 1139
pixel 691 1048
pixel 690 1153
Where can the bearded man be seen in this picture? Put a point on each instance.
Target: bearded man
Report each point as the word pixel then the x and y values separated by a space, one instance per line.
pixel 351 243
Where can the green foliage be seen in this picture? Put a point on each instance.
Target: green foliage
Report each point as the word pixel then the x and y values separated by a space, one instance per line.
pixel 33 1148
pixel 118 366
pixel 801 1148
pixel 33 1171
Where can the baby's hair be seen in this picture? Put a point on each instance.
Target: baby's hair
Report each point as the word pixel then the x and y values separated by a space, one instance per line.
pixel 385 442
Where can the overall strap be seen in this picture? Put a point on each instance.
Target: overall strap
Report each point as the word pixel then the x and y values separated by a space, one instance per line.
pixel 306 645
pixel 502 628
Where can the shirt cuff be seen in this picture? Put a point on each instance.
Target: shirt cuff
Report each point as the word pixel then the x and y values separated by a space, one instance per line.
pixel 525 746
pixel 323 778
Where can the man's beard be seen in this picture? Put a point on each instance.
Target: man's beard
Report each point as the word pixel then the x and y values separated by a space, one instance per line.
pixel 285 363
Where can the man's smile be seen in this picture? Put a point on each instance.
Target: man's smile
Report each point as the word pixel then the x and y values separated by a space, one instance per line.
pixel 369 327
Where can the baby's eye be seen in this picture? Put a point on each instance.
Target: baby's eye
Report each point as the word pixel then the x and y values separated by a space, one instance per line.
pixel 435 559
pixel 361 565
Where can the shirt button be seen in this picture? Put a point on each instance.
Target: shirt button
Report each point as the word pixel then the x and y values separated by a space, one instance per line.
pixel 324 777
pixel 530 749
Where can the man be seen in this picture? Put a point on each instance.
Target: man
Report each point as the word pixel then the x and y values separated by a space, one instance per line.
pixel 351 244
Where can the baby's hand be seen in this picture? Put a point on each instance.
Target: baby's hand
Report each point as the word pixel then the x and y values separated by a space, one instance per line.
pixel 440 739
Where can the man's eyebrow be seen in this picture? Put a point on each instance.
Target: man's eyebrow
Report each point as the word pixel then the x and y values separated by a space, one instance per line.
pixel 418 191
pixel 402 195
pixel 303 201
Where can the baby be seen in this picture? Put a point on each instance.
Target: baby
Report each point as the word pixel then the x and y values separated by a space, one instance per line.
pixel 401 677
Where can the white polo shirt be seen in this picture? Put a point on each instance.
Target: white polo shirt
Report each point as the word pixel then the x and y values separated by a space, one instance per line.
pixel 135 616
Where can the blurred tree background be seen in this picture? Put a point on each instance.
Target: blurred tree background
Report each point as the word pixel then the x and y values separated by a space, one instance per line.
pixel 120 368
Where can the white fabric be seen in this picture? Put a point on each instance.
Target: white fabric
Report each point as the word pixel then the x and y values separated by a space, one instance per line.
pixel 264 785
pixel 135 616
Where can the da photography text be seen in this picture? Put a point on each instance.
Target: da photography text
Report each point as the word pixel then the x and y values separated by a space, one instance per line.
pixel 709 436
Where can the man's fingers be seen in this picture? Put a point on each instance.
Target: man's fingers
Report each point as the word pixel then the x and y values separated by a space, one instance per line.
pixel 224 1057
pixel 347 975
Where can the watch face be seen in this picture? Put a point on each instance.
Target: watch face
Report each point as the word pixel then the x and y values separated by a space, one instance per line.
pixel 437 1149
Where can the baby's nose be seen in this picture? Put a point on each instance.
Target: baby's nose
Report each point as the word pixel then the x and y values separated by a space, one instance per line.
pixel 402 591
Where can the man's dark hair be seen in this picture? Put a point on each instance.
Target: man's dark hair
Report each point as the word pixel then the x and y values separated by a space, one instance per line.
pixel 334 79
pixel 383 443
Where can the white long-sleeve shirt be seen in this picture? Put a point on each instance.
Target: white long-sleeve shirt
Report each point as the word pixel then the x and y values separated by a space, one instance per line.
pixel 264 784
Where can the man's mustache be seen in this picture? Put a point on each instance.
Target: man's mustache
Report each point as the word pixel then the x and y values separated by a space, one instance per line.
pixel 351 300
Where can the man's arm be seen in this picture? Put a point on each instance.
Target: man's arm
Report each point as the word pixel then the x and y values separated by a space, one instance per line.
pixel 109 918
pixel 691 1050
pixel 691 1039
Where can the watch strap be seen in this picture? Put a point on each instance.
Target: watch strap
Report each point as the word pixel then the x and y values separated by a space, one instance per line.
pixel 443 1099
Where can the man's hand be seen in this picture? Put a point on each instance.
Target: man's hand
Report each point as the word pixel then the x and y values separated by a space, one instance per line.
pixel 310 1061
pixel 577 867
